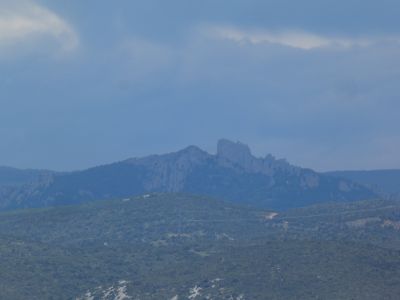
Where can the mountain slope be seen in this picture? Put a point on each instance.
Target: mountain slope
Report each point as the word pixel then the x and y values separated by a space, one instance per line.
pixel 168 246
pixel 383 181
pixel 233 174
pixel 12 176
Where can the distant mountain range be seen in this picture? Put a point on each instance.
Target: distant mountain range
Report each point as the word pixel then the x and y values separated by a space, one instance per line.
pixel 232 174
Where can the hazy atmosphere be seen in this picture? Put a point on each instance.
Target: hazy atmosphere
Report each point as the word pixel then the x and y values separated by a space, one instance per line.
pixel 212 149
pixel 85 83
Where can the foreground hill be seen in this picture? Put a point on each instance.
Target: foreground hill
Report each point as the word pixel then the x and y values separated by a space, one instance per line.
pixel 168 246
pixel 233 174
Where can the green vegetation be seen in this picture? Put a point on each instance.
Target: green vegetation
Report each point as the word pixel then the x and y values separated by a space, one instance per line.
pixel 160 246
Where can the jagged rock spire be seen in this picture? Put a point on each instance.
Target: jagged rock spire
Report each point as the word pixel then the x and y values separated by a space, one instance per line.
pixel 235 152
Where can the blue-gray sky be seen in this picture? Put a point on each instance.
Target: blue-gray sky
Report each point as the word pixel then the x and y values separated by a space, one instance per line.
pixel 88 82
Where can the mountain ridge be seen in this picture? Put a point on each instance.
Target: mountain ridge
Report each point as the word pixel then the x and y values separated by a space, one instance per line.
pixel 10 176
pixel 233 174
pixel 383 181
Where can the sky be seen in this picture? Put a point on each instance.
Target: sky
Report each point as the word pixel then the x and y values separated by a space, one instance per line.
pixel 84 83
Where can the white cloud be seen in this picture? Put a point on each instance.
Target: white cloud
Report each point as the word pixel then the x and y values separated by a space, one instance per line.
pixel 25 20
pixel 291 38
